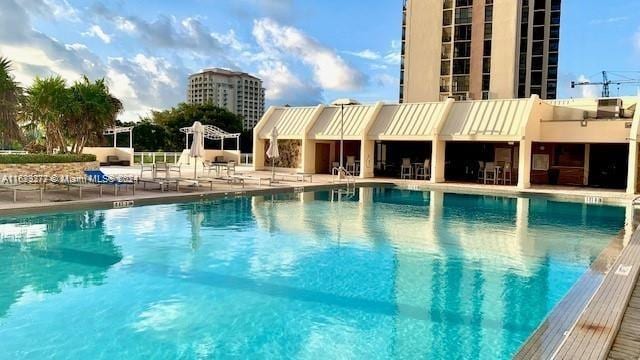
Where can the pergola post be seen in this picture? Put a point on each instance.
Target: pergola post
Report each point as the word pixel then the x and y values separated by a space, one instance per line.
pixel 238 143
pixel 222 144
pixel 115 138
pixel 131 138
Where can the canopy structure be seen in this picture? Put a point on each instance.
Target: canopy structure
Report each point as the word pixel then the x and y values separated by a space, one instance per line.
pixel 118 130
pixel 212 133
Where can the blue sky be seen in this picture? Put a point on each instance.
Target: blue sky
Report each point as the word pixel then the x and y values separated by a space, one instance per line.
pixel 306 51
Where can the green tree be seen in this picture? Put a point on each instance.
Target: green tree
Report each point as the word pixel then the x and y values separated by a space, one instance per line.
pixel 147 136
pixel 91 111
pixel 48 103
pixel 10 94
pixel 72 116
pixel 185 115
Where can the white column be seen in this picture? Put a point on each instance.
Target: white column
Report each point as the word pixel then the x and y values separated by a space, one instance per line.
pixel 524 165
pixel 222 144
pixel 632 172
pixel 186 141
pixel 367 149
pixel 437 160
pixel 131 139
pixel 585 176
pixel 115 137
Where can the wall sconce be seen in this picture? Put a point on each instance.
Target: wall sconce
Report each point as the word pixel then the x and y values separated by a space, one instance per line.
pixel 583 123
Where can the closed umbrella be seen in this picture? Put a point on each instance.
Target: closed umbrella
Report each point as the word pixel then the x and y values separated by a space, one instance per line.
pixel 197 146
pixel 273 152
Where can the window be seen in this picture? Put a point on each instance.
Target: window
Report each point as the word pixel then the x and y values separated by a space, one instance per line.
pixel 536 78
pixel 487 48
pixel 540 4
pixel 555 18
pixel 460 83
pixel 486 65
pixel 463 32
pixel 538 33
pixel 536 90
pixel 536 63
pixel 461 66
pixel 488 13
pixel 446 34
pixel 446 51
pixel 522 91
pixel 539 17
pixel 552 73
pixel 447 18
pixel 522 76
pixel 523 45
pixel 554 32
pixel 554 45
pixel 462 49
pixel 486 81
pixel 445 67
pixel 537 48
pixel 487 30
pixel 551 86
pixel 553 59
pixel 525 15
pixel 448 4
pixel 568 155
pixel 464 2
pixel 463 16
pixel 555 5
pixel 445 84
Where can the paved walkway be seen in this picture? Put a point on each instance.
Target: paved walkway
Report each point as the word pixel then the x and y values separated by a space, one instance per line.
pixel 627 343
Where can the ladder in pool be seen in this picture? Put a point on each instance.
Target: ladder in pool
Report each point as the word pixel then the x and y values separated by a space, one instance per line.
pixel 340 174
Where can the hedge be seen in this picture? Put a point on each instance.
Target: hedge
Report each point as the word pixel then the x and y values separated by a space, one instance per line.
pixel 45 158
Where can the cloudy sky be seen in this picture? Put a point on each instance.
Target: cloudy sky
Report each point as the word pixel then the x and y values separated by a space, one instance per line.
pixel 306 52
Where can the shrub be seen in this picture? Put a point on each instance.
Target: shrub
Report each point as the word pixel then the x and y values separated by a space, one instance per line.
pixel 45 158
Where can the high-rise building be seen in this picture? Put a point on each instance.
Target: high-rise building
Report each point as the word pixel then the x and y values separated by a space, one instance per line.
pixel 238 92
pixel 479 49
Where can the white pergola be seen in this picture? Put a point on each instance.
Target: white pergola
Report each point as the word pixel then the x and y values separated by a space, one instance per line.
pixel 118 130
pixel 212 133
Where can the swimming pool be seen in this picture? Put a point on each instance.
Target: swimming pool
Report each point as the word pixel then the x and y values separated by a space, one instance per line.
pixel 383 273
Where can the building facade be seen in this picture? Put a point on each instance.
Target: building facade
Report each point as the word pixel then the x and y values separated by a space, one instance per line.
pixel 238 92
pixel 479 49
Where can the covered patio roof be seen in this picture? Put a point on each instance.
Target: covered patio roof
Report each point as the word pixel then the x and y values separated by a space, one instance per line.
pixel 212 133
pixel 487 120
pixel 407 121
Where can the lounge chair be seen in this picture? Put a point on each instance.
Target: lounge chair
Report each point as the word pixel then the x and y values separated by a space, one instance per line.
pixel 296 177
pixel 15 189
pixel 163 183
pixel 245 178
pixel 99 177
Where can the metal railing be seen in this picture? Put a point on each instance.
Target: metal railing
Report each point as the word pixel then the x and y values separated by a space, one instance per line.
pixel 246 159
pixel 154 157
pixel 341 174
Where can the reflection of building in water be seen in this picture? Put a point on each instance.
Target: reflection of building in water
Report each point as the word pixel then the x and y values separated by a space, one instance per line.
pixel 43 252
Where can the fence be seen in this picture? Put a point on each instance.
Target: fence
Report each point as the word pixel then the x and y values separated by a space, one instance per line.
pixel 154 157
pixel 246 159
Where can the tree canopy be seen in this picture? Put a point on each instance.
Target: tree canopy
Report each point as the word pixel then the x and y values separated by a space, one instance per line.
pixel 10 95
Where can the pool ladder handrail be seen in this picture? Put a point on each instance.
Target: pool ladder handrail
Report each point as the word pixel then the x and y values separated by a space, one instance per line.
pixel 635 201
pixel 341 173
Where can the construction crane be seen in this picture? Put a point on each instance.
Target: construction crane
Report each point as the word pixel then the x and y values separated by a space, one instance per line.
pixel 607 82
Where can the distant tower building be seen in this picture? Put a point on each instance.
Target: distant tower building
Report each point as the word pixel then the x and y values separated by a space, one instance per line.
pixel 479 49
pixel 238 92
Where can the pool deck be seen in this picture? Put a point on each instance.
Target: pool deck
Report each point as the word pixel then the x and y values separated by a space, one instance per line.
pixel 599 318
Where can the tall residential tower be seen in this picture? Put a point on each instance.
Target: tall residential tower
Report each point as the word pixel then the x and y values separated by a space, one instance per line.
pixel 238 92
pixel 479 49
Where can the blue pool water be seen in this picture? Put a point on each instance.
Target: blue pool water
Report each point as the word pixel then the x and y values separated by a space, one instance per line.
pixel 387 273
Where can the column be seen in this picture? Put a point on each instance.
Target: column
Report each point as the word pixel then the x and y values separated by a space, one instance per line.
pixel 367 149
pixel 524 165
pixel 437 160
pixel 585 176
pixel 308 156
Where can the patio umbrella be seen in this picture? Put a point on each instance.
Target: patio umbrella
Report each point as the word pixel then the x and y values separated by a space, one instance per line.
pixel 197 146
pixel 273 152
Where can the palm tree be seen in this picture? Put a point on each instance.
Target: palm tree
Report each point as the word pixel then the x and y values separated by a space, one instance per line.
pixel 94 110
pixel 49 102
pixel 10 94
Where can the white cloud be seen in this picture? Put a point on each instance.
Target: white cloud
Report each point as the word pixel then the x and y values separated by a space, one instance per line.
pixel 27 58
pixel 365 54
pixel 329 70
pixel 125 25
pixel 609 20
pixel 96 31
pixel 283 86
pixel 587 91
